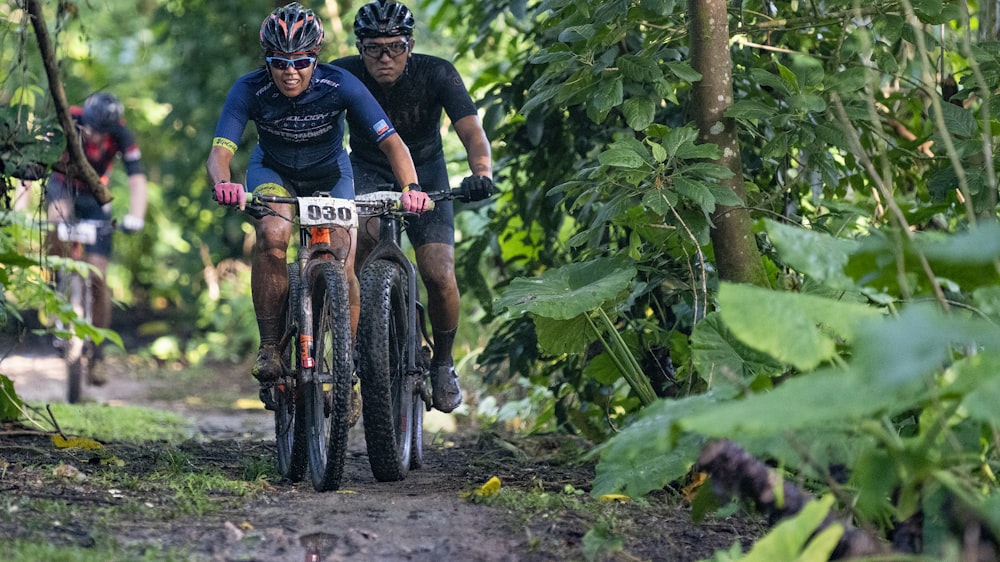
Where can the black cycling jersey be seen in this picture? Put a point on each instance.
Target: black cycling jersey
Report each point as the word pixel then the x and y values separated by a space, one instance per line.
pixel 118 142
pixel 414 106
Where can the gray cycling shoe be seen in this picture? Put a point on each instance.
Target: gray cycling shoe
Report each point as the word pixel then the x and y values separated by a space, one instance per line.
pixel 268 365
pixel 446 392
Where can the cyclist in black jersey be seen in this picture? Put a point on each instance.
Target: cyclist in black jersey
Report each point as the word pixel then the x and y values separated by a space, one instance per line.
pixel 298 107
pixel 414 90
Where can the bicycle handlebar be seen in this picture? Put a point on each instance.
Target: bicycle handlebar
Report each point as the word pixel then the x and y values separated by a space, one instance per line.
pixel 371 204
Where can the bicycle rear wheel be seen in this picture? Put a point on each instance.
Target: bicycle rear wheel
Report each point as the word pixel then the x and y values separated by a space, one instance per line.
pixel 386 386
pixel 289 428
pixel 327 396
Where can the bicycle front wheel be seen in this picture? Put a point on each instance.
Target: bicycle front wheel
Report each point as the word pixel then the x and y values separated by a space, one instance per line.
pixel 76 352
pixel 327 396
pixel 386 387
pixel 289 427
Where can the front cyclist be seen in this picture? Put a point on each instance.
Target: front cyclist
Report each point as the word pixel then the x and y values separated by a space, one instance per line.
pixel 298 107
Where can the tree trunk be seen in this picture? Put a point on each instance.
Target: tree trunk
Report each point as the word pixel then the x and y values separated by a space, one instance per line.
pixel 78 166
pixel 736 253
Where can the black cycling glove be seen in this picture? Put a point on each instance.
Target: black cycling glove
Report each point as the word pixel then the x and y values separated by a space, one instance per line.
pixel 477 188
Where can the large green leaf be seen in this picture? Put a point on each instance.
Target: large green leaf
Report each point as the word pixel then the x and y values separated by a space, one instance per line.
pixel 977 381
pixel 750 109
pixel 10 402
pixel 960 121
pixel 904 350
pixel 647 455
pixel 719 357
pixel 793 538
pixel 557 337
pixel 821 400
pixel 568 291
pixel 621 158
pixel 818 255
pixel 639 69
pixel 797 329
pixel 639 112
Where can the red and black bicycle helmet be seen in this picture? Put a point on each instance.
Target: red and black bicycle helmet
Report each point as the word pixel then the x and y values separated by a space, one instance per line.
pixel 291 29
pixel 383 18
pixel 102 112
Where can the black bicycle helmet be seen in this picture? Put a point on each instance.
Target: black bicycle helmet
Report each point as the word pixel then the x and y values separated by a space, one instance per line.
pixel 383 18
pixel 291 29
pixel 102 112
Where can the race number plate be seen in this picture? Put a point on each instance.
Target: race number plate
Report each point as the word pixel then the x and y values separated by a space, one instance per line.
pixel 82 232
pixel 327 211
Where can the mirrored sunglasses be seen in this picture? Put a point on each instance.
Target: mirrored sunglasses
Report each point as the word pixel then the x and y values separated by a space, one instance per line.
pixel 279 63
pixel 375 50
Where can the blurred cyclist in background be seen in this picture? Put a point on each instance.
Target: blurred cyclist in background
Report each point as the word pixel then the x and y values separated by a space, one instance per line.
pixel 104 137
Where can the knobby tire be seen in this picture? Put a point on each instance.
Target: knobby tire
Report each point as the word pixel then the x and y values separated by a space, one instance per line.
pixel 386 387
pixel 76 353
pixel 327 397
pixel 289 425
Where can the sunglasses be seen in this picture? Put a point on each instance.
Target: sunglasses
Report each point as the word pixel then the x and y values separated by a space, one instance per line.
pixel 375 50
pixel 279 63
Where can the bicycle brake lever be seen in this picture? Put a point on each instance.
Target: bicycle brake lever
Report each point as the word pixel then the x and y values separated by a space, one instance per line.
pixel 259 210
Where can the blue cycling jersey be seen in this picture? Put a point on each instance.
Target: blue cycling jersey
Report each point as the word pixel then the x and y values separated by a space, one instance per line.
pixel 301 138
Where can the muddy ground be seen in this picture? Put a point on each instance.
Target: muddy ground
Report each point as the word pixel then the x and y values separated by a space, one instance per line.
pixel 423 518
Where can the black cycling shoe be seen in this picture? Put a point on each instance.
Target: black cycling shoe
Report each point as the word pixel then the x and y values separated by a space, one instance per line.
pixel 268 366
pixel 446 393
pixel 267 370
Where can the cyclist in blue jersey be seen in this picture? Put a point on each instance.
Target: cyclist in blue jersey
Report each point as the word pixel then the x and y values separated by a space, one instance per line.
pixel 298 107
pixel 415 90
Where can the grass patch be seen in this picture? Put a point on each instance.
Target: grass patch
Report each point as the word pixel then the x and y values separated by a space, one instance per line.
pixel 127 424
pixel 20 550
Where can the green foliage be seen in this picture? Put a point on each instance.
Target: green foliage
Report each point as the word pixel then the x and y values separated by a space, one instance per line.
pixel 10 402
pixel 122 423
pixel 793 538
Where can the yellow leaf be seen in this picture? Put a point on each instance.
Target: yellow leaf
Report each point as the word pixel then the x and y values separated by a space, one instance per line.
pixel 691 490
pixel 75 443
pixel 490 488
pixel 246 526
pixel 620 498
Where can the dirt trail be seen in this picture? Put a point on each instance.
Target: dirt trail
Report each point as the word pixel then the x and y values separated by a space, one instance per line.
pixel 422 518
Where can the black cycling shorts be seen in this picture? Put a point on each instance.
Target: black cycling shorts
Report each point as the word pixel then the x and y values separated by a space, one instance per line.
pixel 437 226
pixel 85 207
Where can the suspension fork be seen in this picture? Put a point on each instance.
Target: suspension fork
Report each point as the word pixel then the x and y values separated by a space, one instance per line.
pixel 314 248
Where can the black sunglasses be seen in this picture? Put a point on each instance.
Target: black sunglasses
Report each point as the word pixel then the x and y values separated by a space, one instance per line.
pixel 279 63
pixel 375 50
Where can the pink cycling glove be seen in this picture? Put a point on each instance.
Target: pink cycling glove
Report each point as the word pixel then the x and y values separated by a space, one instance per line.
pixel 415 201
pixel 232 194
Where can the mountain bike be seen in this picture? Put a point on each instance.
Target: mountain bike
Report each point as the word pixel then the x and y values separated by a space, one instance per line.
pixel 394 348
pixel 76 284
pixel 311 398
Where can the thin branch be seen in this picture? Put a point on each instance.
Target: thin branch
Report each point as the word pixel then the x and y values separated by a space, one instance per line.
pixel 78 166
